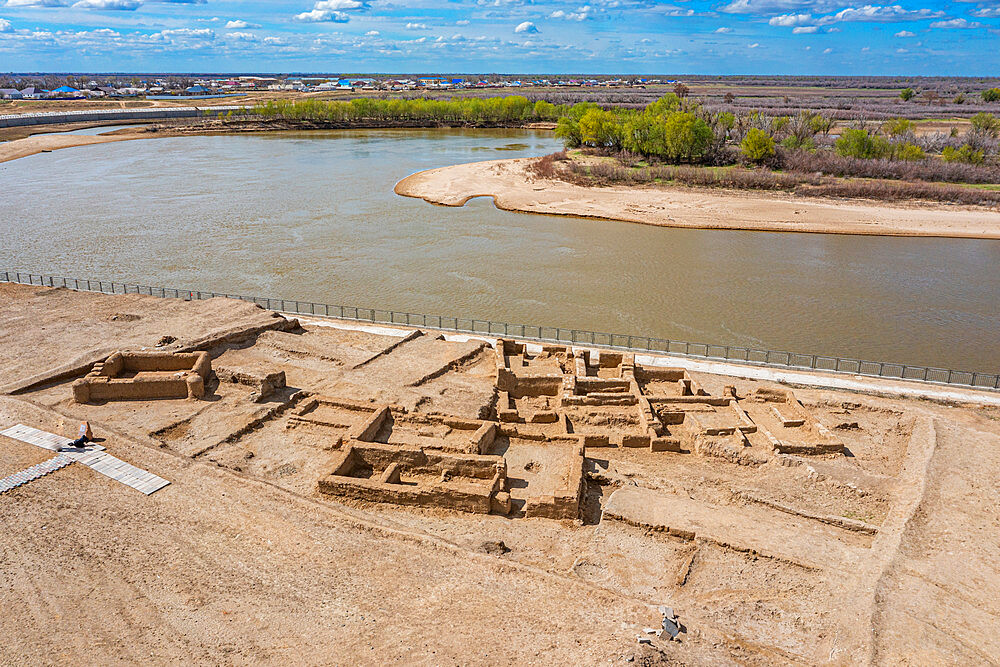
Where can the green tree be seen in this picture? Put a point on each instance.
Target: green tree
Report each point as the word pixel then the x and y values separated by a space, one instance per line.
pixel 757 146
pixel 965 153
pixel 907 94
pixel 794 142
pixel 664 106
pixel 568 129
pixel 991 95
pixel 910 152
pixel 686 137
pixel 577 110
pixel 725 121
pixel 644 134
pixel 986 123
pixel 897 127
pixel 861 144
pixel 545 110
pixel 601 129
pixel 821 123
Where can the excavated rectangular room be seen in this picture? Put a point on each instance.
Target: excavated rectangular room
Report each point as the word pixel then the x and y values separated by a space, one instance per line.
pixel 790 427
pixel 145 375
pixel 407 475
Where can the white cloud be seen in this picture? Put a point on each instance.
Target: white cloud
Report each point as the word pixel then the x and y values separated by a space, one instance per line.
pixel 880 14
pixel 186 37
pixel 986 12
pixel 4 25
pixel 35 3
pixel 417 26
pixel 331 10
pixel 242 36
pixel 581 14
pixel 904 33
pixel 526 27
pixel 723 31
pixel 755 45
pixel 115 5
pixel 462 22
pixel 338 5
pixel 827 50
pixel 237 24
pixel 805 29
pixel 789 20
pixel 866 14
pixel 206 33
pixel 320 15
pixel 956 23
pixel 765 7
pixel 372 33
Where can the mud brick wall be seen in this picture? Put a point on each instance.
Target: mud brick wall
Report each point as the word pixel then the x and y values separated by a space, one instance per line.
pixel 192 369
pixel 564 502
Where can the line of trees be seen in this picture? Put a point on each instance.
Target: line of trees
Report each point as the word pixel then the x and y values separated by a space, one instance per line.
pixel 671 128
pixel 513 109
pixel 678 130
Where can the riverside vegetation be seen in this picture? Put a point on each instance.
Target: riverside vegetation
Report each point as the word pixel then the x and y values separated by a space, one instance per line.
pixel 677 140
pixel 512 110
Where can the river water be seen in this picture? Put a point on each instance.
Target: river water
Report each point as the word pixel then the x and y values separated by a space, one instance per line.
pixel 312 216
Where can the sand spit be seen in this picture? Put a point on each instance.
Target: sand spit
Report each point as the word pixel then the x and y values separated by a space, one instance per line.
pixel 514 189
pixel 18 148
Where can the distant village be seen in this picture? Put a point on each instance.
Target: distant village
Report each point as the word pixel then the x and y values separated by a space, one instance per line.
pixel 80 87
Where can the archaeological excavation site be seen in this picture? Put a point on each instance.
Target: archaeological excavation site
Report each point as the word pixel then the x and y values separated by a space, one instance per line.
pixel 383 494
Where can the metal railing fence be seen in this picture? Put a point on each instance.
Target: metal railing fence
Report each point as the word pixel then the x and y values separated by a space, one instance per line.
pixel 545 334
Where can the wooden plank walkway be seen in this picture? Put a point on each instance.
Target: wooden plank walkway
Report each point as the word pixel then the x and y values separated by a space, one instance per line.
pixel 92 456
pixel 43 439
pixel 34 472
pixel 118 470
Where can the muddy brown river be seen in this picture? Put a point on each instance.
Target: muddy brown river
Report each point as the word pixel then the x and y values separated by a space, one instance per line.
pixel 312 216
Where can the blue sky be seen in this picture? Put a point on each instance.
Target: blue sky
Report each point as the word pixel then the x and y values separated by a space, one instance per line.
pixel 911 37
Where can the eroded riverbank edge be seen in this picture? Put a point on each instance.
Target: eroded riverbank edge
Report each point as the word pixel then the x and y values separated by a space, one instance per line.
pixel 47 138
pixel 513 188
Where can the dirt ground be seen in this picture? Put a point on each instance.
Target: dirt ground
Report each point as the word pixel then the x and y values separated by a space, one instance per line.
pixel 883 553
pixel 514 189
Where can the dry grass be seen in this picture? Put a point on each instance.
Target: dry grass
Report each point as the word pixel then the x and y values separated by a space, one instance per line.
pixel 828 162
pixel 611 172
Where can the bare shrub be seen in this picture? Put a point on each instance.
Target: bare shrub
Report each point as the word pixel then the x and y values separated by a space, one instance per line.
pixel 544 167
pixel 830 163
pixel 608 172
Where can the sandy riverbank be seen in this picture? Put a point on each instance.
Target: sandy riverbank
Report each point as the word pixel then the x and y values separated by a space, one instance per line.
pixel 20 144
pixel 18 148
pixel 513 188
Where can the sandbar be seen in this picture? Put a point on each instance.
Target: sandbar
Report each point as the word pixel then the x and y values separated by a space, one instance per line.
pixel 514 188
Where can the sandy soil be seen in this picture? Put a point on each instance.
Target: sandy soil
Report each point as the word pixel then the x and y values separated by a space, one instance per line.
pixel 241 560
pixel 513 188
pixel 18 148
